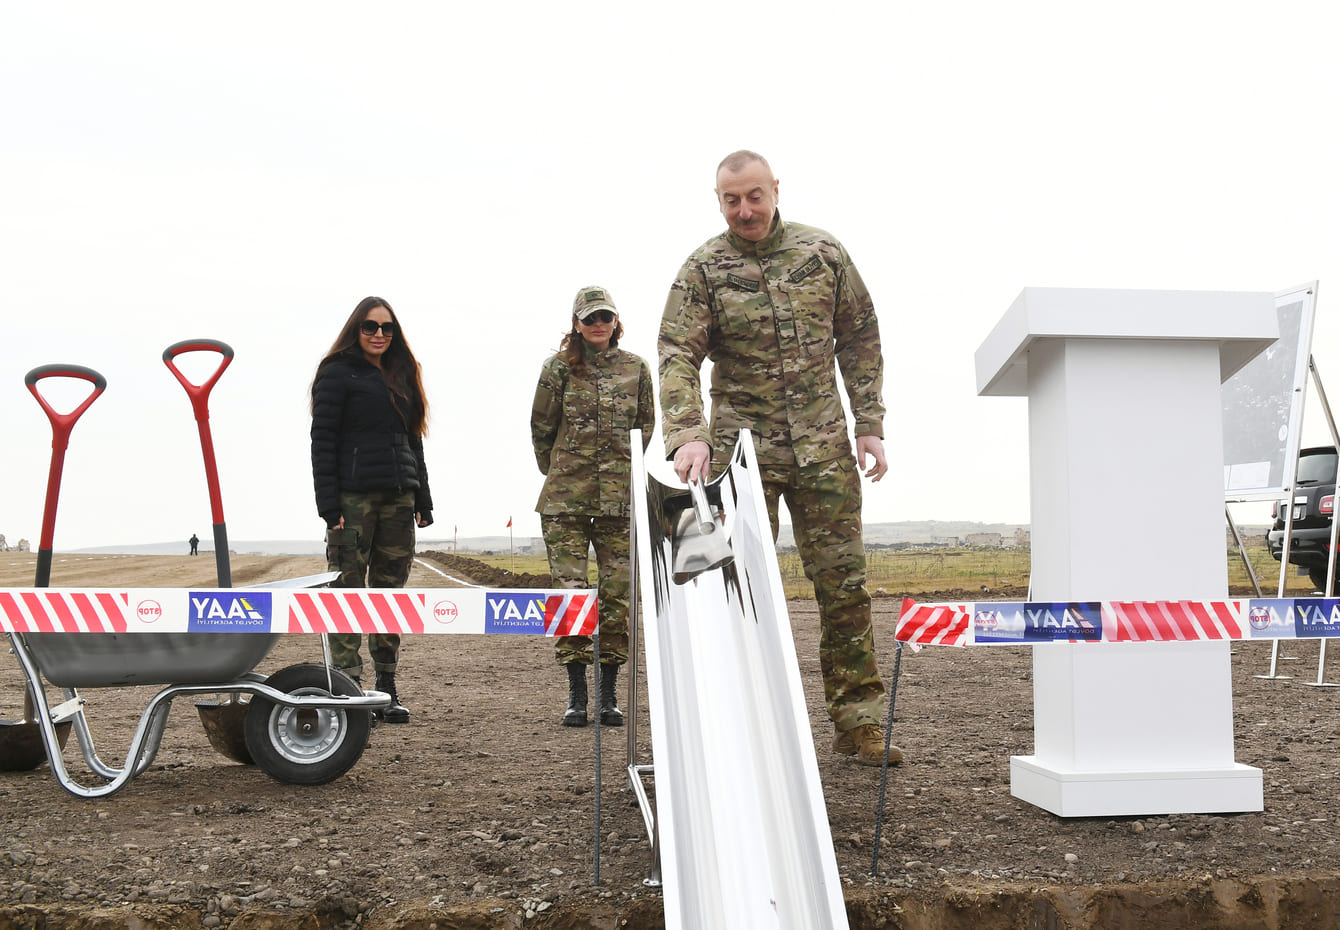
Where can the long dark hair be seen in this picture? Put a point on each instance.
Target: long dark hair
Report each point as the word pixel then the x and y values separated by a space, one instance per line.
pixel 570 349
pixel 399 366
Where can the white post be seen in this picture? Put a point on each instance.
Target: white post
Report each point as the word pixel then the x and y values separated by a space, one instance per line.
pixel 1126 465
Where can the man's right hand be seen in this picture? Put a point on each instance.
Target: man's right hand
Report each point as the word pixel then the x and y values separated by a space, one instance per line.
pixel 692 461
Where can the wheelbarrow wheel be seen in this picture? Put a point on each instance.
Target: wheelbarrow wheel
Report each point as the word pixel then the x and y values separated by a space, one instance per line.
pixel 301 745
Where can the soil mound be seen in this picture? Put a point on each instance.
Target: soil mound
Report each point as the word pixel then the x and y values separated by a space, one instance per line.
pixel 481 573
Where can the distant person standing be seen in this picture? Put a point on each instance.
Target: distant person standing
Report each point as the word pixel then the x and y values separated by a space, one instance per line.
pixel 774 305
pixel 589 396
pixel 195 544
pixel 369 417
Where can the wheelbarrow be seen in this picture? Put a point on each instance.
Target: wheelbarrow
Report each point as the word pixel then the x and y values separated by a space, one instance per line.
pixel 307 724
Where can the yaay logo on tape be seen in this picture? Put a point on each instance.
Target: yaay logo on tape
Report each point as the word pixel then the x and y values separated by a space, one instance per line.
pixel 1271 618
pixel 1317 618
pixel 228 611
pixel 510 612
pixel 1021 622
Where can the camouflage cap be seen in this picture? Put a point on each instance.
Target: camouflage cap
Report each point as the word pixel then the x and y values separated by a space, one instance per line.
pixel 592 298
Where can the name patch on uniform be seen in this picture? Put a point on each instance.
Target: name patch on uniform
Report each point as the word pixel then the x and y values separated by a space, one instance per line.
pixel 744 284
pixel 805 270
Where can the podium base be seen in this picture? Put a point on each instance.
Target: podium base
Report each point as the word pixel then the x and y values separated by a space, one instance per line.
pixel 1233 788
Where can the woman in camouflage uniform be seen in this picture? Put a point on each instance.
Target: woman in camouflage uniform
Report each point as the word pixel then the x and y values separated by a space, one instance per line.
pixel 369 416
pixel 590 395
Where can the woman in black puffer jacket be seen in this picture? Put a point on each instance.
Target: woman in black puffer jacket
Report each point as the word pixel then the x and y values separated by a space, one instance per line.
pixel 369 417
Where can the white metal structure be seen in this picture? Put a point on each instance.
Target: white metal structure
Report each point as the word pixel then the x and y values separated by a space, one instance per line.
pixel 739 818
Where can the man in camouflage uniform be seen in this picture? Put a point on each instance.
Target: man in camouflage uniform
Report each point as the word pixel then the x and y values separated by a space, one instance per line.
pixel 773 305
pixel 590 394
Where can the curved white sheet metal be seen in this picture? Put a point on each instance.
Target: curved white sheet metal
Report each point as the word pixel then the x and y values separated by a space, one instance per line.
pixel 743 831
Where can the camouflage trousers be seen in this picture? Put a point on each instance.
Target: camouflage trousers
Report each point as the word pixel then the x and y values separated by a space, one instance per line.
pixel 374 550
pixel 824 501
pixel 568 539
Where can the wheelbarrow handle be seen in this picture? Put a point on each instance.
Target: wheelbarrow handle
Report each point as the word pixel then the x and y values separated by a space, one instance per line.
pixel 62 423
pixel 199 393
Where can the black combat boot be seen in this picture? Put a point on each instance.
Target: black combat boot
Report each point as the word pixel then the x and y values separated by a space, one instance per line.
pixel 610 715
pixel 397 712
pixel 575 715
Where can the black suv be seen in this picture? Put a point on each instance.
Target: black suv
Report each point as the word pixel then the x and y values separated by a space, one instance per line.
pixel 1314 501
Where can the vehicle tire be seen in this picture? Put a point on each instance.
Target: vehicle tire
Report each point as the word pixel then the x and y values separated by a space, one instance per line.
pixel 306 746
pixel 1318 575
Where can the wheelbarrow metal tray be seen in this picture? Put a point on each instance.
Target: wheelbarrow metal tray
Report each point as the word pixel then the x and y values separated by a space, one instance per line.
pixel 106 660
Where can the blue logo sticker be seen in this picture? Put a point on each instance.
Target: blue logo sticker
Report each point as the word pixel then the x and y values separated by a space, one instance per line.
pixel 508 612
pixel 229 612
pixel 1030 623
pixel 1316 617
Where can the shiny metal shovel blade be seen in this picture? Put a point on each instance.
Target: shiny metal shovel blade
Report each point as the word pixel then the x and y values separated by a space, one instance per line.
pixel 699 544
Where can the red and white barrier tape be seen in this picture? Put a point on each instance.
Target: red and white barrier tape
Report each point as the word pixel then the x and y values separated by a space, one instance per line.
pixel 547 612
pixel 1017 623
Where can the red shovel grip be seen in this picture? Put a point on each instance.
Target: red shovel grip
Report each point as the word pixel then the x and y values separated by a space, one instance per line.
pixel 61 425
pixel 199 393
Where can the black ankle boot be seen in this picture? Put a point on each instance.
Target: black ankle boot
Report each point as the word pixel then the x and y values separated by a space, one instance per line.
pixel 575 715
pixel 610 715
pixel 397 712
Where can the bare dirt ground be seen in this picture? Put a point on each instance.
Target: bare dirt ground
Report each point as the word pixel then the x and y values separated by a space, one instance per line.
pixel 480 813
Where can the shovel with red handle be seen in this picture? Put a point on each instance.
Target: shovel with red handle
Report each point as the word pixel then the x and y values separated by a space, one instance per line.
pixel 199 394
pixel 61 425
pixel 222 720
pixel 21 746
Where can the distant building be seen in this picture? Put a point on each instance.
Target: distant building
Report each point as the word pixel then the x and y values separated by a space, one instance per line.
pixel 948 542
pixel 1023 539
pixel 985 540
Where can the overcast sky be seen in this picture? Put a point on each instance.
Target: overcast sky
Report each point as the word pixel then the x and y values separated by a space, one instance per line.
pixel 249 171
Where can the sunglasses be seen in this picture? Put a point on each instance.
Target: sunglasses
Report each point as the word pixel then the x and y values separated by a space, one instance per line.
pixel 369 327
pixel 604 316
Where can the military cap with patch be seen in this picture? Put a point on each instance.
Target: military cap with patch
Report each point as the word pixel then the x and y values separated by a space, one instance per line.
pixel 591 299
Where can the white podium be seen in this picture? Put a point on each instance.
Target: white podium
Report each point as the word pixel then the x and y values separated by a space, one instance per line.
pixel 1126 480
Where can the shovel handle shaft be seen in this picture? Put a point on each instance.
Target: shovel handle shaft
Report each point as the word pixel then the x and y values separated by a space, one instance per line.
pixel 61 425
pixel 199 394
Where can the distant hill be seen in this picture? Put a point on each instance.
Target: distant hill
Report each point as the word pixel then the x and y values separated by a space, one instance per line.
pixel 911 531
pixel 238 546
pixel 876 534
pixel 924 531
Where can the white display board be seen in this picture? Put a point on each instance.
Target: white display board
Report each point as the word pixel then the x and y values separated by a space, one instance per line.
pixel 1263 406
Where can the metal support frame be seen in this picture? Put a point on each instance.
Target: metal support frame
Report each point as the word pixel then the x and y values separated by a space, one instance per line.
pixel 1330 561
pixel 1287 543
